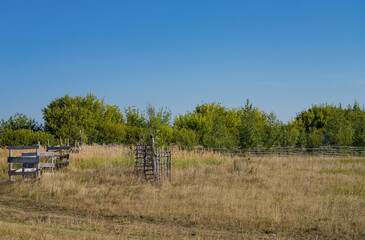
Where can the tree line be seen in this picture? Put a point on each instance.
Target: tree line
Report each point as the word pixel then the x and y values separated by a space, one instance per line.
pixel 210 125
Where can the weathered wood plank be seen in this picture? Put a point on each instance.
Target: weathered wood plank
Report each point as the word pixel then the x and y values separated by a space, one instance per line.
pixel 58 148
pixel 31 169
pixel 17 173
pixel 40 154
pixel 23 159
pixel 47 165
pixel 62 156
pixel 46 154
pixel 62 164
pixel 29 165
pixel 28 154
pixel 23 147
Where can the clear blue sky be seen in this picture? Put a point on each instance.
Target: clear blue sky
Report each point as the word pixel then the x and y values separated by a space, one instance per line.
pixel 282 55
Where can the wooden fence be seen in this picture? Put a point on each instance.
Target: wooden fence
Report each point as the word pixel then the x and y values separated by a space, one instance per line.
pixel 29 163
pixel 61 154
pixel 34 162
pixel 154 164
pixel 287 151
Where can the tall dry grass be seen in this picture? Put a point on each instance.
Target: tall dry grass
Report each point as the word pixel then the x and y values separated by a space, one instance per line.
pixel 282 197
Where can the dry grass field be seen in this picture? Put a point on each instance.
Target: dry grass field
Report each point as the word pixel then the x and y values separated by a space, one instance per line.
pixel 98 197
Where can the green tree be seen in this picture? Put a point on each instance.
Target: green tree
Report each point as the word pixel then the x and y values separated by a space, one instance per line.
pixel 158 125
pixel 25 137
pixel 159 117
pixel 251 130
pixel 219 136
pixel 272 128
pixel 339 128
pixel 20 121
pixel 134 134
pixel 109 132
pixel 289 135
pixel 185 138
pixel 316 116
pixel 164 135
pixel 356 116
pixel 214 125
pixel 315 138
pixel 134 117
pixel 302 138
pixel 65 117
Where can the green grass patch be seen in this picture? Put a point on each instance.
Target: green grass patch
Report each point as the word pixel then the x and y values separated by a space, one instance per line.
pixel 345 171
pixel 352 161
pixel 101 162
pixel 4 169
pixel 357 189
pixel 183 163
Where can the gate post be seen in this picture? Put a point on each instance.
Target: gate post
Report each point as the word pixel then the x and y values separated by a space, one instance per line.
pixel 154 157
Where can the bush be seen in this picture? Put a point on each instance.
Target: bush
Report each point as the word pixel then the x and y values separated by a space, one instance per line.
pixel 185 138
pixel 25 137
pixel 164 135
pixel 65 117
pixel 289 136
pixel 19 121
pixel 133 134
pixel 111 133
pixel 315 138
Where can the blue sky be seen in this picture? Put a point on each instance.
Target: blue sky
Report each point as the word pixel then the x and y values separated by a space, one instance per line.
pixel 282 55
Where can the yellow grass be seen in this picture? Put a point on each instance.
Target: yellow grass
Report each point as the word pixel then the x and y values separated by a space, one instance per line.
pixel 98 197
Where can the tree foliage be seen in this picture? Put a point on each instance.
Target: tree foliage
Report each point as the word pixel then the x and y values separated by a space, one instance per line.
pixel 258 129
pixel 215 126
pixel 65 117
pixel 210 125
pixel 25 137
pixel 333 125
pixel 19 121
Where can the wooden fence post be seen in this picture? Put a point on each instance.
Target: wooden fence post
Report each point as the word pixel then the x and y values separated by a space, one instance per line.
pixel 80 138
pixel 154 158
pixel 38 164
pixel 10 165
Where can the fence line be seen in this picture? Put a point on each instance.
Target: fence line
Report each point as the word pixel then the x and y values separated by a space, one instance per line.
pixel 287 151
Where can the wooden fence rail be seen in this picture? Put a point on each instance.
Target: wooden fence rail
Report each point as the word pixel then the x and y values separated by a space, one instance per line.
pixel 286 151
pixel 61 154
pixel 23 165
pixel 32 163
pixel 154 164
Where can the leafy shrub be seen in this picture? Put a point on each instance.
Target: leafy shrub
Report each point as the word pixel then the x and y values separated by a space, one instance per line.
pixel 65 117
pixel 19 121
pixel 25 137
pixel 185 138
pixel 315 138
pixel 109 132
pixel 133 134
